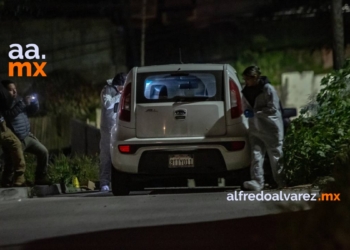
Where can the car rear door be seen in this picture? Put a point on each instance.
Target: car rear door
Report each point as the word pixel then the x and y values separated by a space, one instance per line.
pixel 186 104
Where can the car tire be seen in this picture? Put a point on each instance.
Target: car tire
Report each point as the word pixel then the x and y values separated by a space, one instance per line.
pixel 120 183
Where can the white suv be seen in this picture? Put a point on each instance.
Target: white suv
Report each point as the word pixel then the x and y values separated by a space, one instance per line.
pixel 178 121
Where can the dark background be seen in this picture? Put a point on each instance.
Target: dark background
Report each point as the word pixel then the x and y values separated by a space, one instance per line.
pixel 204 30
pixel 89 41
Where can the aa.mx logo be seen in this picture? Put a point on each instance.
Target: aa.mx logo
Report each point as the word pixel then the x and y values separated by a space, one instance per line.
pixel 32 53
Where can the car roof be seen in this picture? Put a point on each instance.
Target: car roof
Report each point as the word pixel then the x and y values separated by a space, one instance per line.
pixel 183 67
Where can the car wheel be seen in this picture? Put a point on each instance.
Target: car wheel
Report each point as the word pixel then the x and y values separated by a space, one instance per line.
pixel 120 183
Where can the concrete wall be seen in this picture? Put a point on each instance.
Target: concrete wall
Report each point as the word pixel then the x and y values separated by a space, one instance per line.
pixel 297 88
pixel 94 47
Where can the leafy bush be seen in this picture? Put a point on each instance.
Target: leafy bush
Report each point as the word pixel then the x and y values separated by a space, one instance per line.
pixel 318 134
pixel 85 168
pixel 30 167
pixel 63 168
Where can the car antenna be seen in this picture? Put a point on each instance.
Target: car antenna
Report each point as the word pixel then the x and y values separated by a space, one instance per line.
pixel 180 56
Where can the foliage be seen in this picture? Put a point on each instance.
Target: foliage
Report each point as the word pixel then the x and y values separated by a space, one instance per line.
pixel 67 93
pixel 316 137
pixel 30 167
pixel 63 168
pixel 274 63
pixel 85 168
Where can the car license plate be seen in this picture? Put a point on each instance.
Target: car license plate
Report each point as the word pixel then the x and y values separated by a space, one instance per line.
pixel 181 161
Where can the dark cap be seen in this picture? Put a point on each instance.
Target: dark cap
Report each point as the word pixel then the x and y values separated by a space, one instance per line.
pixel 252 71
pixel 119 79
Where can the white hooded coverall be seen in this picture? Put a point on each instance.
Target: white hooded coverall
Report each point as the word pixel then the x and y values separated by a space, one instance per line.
pixel 265 132
pixel 109 97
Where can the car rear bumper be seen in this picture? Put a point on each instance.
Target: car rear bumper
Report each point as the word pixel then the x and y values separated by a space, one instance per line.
pixel 152 157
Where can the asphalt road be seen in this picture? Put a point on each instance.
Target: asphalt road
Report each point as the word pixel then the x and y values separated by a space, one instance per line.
pixel 90 220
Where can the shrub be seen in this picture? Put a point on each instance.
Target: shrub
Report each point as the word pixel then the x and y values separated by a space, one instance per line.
pixel 85 168
pixel 322 129
pixel 30 167
pixel 63 168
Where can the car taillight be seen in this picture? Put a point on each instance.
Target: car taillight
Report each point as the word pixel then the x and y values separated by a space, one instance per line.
pixel 127 149
pixel 125 104
pixel 237 145
pixel 124 149
pixel 235 100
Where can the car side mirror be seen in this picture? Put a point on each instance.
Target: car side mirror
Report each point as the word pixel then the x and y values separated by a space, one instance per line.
pixel 289 112
pixel 115 108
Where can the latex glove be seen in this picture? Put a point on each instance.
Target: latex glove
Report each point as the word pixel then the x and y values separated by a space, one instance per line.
pixel 248 113
pixel 107 98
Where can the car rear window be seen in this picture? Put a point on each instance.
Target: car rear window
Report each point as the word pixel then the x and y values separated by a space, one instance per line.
pixel 179 86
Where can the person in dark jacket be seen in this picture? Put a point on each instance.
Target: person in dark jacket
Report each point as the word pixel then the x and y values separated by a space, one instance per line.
pixel 18 122
pixel 11 145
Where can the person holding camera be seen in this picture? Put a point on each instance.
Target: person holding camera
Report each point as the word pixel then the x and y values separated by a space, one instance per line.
pixel 17 120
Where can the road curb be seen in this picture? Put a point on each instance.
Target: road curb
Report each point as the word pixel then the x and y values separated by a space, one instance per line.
pixel 7 194
pixel 45 190
pixel 15 193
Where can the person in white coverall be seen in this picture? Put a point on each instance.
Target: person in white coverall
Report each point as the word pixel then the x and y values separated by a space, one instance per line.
pixel 261 106
pixel 110 95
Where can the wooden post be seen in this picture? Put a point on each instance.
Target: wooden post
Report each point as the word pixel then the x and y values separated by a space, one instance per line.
pixel 143 34
pixel 338 34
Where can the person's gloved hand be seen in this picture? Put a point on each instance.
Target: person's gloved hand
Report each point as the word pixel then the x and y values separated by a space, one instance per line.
pixel 248 113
